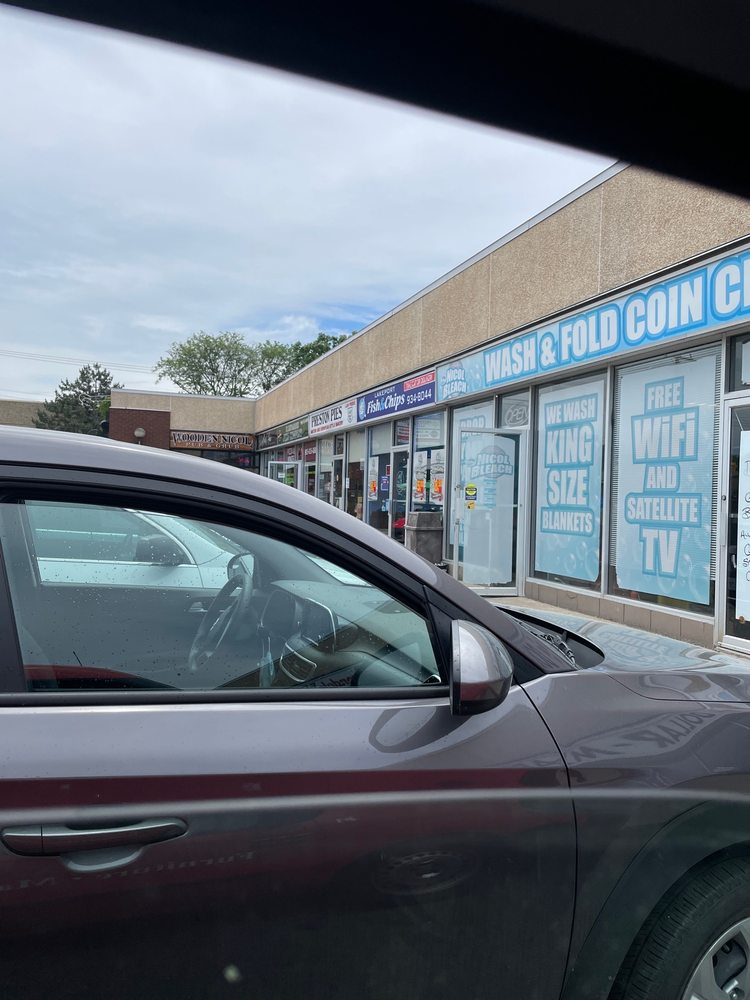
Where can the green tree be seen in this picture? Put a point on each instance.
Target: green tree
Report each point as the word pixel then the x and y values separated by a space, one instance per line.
pixel 273 362
pixel 79 404
pixel 221 364
pixel 224 364
pixel 303 353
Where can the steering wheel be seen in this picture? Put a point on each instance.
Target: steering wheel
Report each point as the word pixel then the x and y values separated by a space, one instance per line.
pixel 225 617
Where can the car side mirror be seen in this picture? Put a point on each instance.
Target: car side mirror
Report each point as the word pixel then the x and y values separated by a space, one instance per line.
pixel 158 550
pixel 481 669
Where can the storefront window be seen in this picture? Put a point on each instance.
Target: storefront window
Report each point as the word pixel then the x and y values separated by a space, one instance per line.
pixel 325 469
pixel 664 475
pixel 379 476
pixel 380 439
pixel 428 469
pixel 401 432
pixel 737 603
pixel 311 455
pixel 569 465
pixel 738 364
pixel 515 410
pixel 355 474
pixel 274 455
pixel 485 470
pixel 285 472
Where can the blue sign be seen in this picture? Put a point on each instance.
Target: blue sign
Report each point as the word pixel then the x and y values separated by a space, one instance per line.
pixel 406 395
pixel 665 479
pixel 569 480
pixel 707 298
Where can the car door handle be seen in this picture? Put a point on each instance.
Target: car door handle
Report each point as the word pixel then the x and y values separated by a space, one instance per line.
pixel 57 838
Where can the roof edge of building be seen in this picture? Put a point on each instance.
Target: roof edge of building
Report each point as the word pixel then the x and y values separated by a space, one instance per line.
pixel 590 185
pixel 181 395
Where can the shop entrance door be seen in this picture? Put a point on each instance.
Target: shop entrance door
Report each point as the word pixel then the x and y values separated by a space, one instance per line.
pixel 734 529
pixel 288 473
pixel 399 492
pixel 487 502
pixel 337 485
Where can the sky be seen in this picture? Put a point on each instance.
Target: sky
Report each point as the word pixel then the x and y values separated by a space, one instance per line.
pixel 149 191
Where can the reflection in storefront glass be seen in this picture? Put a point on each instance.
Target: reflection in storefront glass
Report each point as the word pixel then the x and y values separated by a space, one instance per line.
pixel 355 473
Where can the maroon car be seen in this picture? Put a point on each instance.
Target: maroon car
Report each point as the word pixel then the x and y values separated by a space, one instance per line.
pixel 249 747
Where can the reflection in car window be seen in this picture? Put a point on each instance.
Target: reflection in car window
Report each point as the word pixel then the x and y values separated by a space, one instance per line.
pixel 259 614
pixel 338 572
pixel 75 531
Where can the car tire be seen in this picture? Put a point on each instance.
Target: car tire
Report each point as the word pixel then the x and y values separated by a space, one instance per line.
pixel 698 943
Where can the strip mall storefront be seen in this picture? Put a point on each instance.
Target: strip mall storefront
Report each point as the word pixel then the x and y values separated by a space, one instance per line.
pixel 218 428
pixel 605 453
pixel 218 446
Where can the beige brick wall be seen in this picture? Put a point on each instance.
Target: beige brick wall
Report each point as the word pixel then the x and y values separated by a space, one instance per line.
pixel 193 413
pixel 650 221
pixel 547 269
pixel 632 224
pixel 18 412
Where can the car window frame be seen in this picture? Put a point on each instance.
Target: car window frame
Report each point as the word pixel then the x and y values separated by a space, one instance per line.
pixel 235 510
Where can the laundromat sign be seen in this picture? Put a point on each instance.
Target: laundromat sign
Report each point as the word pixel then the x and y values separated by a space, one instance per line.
pixel 698 301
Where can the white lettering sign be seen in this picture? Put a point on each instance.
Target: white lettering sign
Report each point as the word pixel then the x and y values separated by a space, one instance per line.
pixel 333 418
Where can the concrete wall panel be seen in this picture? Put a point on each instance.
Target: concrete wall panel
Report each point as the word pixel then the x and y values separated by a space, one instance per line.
pixel 395 345
pixel 650 221
pixel 18 412
pixel 456 315
pixel 549 267
pixel 198 413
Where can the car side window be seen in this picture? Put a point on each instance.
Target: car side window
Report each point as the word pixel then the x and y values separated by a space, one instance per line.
pixel 251 611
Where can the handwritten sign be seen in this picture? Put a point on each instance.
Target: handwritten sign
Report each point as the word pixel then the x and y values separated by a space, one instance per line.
pixel 742 605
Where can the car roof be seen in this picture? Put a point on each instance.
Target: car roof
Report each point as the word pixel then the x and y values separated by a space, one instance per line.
pixel 27 446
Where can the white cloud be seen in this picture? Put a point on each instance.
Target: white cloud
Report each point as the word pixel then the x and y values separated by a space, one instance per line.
pixel 147 192
pixel 162 324
pixel 285 329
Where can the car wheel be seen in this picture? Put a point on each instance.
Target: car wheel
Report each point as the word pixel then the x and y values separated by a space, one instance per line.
pixel 697 947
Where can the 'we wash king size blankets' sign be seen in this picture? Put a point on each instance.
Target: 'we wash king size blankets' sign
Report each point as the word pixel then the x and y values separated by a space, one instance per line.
pixel 569 480
pixel 665 451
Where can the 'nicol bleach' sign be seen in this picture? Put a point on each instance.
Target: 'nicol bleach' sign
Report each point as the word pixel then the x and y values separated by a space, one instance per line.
pixel 698 301
pixel 396 398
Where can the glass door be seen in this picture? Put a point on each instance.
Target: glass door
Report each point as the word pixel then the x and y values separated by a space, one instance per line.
pixel 355 473
pixel 337 483
pixel 486 501
pixel 285 472
pixel 734 530
pixel 399 492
